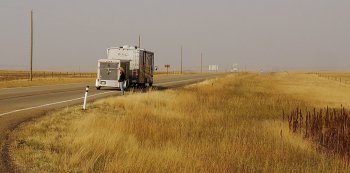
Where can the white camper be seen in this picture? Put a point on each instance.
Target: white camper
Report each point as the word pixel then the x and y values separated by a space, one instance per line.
pixel 108 72
pixel 141 63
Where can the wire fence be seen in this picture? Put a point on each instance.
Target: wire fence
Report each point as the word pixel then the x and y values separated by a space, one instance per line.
pixel 7 76
pixel 341 78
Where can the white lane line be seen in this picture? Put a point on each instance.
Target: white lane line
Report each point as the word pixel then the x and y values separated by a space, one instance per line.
pixel 49 104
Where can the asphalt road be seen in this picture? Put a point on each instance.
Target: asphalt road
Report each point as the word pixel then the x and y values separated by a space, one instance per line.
pixel 18 105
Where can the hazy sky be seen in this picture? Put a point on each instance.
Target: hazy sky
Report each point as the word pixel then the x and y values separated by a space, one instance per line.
pixel 258 34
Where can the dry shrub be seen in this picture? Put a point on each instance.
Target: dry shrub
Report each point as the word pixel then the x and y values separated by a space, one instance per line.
pixel 329 128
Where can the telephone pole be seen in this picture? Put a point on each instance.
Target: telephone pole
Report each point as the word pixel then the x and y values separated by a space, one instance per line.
pixel 139 41
pixel 201 62
pixel 181 61
pixel 31 45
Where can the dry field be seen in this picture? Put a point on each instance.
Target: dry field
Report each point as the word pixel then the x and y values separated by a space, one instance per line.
pixel 231 124
pixel 10 79
pixel 43 81
pixel 172 73
pixel 343 77
pixel 7 75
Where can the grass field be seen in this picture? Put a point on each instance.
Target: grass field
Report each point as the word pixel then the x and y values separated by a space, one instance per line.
pixel 231 124
pixel 18 78
pixel 8 75
pixel 343 77
pixel 318 92
pixel 10 79
pixel 43 81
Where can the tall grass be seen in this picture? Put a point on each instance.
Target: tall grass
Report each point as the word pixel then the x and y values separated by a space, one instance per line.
pixel 230 124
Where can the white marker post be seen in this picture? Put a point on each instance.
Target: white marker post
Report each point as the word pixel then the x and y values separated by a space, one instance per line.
pixel 85 98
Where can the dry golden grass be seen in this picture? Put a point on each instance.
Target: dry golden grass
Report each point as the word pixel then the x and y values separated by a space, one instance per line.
pixel 232 124
pixel 12 78
pixel 42 81
pixel 318 92
pixel 162 75
pixel 13 71
pixel 173 73
pixel 336 75
pixel 61 80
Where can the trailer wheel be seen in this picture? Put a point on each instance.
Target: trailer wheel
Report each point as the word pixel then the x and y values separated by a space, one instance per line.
pixel 144 85
pixel 141 85
pixel 127 85
pixel 98 88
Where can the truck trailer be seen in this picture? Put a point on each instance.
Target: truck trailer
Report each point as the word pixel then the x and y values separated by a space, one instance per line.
pixel 108 72
pixel 137 63
pixel 141 63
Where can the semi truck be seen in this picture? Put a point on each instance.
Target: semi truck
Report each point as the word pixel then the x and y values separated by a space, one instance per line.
pixel 137 63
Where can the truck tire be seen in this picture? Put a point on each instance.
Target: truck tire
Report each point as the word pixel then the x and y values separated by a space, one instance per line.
pixel 98 88
pixel 144 84
pixel 141 85
pixel 127 85
pixel 150 84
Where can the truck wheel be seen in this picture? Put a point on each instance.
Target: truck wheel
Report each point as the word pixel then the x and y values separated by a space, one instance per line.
pixel 150 84
pixel 142 85
pixel 98 88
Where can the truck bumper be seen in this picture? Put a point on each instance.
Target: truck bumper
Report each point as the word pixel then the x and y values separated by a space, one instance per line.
pixel 106 83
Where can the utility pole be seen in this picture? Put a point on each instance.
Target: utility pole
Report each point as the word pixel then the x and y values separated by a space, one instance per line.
pixel 201 62
pixel 167 66
pixel 181 61
pixel 31 45
pixel 139 41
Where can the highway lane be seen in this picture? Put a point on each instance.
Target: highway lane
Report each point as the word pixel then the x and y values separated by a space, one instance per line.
pixel 22 104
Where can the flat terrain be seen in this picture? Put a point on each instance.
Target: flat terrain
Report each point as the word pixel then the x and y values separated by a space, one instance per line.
pixel 10 79
pixel 342 77
pixel 43 82
pixel 21 104
pixel 230 124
